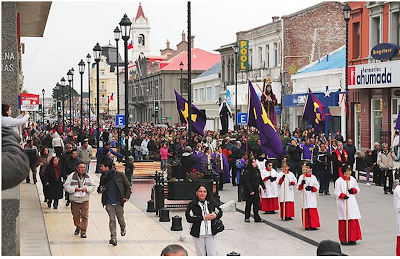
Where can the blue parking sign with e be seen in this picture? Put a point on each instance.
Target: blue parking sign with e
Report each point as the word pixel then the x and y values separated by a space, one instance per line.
pixel 120 120
pixel 242 119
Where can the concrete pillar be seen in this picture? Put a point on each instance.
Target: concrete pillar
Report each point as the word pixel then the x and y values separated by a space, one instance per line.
pixel 11 87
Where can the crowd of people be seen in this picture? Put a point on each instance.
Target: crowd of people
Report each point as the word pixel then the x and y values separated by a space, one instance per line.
pixel 309 162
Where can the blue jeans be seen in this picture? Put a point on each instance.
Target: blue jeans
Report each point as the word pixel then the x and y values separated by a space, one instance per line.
pixel 164 164
pixel 138 155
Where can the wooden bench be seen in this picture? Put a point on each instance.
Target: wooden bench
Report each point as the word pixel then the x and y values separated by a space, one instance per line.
pixel 142 169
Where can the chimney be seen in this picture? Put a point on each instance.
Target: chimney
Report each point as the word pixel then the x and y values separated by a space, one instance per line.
pixel 275 18
pixel 167 44
pixel 183 36
pixel 192 41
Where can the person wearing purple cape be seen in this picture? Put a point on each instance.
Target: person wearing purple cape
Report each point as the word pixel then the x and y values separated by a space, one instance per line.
pixel 198 154
pixel 221 166
pixel 269 102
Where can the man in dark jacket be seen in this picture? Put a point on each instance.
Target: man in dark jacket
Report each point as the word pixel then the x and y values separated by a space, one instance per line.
pixel 115 189
pixel 68 167
pixel 47 141
pixel 32 153
pixel 236 154
pixel 295 152
pixel 322 167
pixel 351 152
pixel 377 171
pixel 188 161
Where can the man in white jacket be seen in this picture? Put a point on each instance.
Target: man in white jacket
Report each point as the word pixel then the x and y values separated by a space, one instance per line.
pixel 79 185
pixel 346 188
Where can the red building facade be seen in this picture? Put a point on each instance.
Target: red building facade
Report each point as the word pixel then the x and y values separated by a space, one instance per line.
pixel 373 100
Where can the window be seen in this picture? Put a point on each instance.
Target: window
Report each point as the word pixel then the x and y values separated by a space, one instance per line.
pixel 376 119
pixel 102 72
pixel 103 88
pixel 266 55
pixel 216 92
pixel 250 58
pixel 375 30
pixel 275 54
pixel 395 28
pixel 196 95
pixel 201 94
pixel 357 40
pixel 260 57
pixel 208 94
pixel 102 99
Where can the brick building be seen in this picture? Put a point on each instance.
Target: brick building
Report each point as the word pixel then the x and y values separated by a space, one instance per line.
pixel 374 104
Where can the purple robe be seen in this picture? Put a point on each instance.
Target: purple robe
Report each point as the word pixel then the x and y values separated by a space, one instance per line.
pixel 307 151
pixel 198 156
pixel 215 160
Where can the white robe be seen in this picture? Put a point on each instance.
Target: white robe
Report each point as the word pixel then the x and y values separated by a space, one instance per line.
pixel 396 201
pixel 310 196
pixel 261 165
pixel 353 211
pixel 270 187
pixel 289 189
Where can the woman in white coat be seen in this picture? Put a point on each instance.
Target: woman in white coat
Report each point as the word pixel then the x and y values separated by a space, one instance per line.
pixel 286 185
pixel 308 186
pixel 269 198
pixel 396 201
pixel 347 191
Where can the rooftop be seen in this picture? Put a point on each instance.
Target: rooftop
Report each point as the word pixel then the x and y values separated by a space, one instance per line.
pixel 201 60
pixel 335 59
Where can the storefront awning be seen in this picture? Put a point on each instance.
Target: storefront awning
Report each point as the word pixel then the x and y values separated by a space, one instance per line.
pixel 298 100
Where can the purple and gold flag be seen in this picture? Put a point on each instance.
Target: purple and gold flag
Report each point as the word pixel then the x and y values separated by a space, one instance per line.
pixel 271 144
pixel 198 117
pixel 314 112
pixel 397 127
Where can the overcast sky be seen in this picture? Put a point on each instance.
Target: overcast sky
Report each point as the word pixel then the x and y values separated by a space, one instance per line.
pixel 74 27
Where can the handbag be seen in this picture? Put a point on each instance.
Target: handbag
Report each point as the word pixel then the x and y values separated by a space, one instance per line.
pixel 218 224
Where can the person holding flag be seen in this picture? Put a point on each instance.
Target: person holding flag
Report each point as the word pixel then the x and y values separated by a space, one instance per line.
pixel 346 188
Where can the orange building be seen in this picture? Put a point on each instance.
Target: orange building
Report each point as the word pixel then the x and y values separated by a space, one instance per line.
pixel 373 82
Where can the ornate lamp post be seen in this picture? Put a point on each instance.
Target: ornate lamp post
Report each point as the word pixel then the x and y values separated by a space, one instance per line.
pixel 43 92
pixel 81 71
pixel 117 36
pixel 63 100
pixel 181 68
pixel 125 25
pixel 88 59
pixel 96 54
pixel 70 77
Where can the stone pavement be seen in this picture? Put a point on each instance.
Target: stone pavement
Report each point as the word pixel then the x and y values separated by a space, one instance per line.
pixel 144 235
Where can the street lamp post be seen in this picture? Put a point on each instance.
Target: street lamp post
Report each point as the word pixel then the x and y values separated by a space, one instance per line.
pixel 96 54
pixel 69 77
pixel 73 106
pixel 88 59
pixel 43 92
pixel 63 100
pixel 81 71
pixel 181 68
pixel 125 25
pixel 347 11
pixel 117 35
pixel 236 50
pixel 57 93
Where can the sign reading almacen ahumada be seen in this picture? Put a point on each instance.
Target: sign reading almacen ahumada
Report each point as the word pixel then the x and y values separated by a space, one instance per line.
pixel 374 75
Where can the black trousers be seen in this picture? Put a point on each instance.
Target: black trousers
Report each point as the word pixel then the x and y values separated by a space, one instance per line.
pixel 388 174
pixel 232 168
pixel 324 179
pixel 252 200
pixel 377 176
pixel 295 167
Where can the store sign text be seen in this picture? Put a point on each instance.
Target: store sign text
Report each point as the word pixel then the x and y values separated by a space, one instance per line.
pixel 374 75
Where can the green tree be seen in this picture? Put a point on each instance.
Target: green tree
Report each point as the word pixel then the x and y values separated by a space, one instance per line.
pixel 58 93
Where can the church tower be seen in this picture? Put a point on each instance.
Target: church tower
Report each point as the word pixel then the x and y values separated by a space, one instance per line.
pixel 140 35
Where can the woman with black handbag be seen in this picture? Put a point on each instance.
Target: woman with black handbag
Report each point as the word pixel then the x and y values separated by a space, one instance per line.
pixel 206 223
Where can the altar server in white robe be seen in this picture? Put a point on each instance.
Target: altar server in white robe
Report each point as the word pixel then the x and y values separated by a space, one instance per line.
pixel 286 186
pixel 269 198
pixel 308 184
pixel 396 201
pixel 348 191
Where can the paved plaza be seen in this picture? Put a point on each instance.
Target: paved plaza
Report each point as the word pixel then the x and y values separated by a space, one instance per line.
pixel 147 236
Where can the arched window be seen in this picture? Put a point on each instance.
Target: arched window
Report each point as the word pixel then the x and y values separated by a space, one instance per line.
pixel 141 41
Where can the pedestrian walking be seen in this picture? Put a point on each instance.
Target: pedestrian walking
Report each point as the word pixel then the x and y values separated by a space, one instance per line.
pixel 85 153
pixel 43 161
pixel 32 153
pixel 201 212
pixel 346 188
pixel 308 186
pixel 164 156
pixel 385 162
pixel 369 164
pixel 252 180
pixel 58 144
pixel 269 198
pixel 286 185
pixel 79 185
pixel 52 178
pixel 130 167
pixel 69 166
pixel 115 190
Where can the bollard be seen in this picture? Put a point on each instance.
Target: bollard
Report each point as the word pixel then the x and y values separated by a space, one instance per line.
pixel 176 223
pixel 233 253
pixel 158 193
pixel 150 206
pixel 164 215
